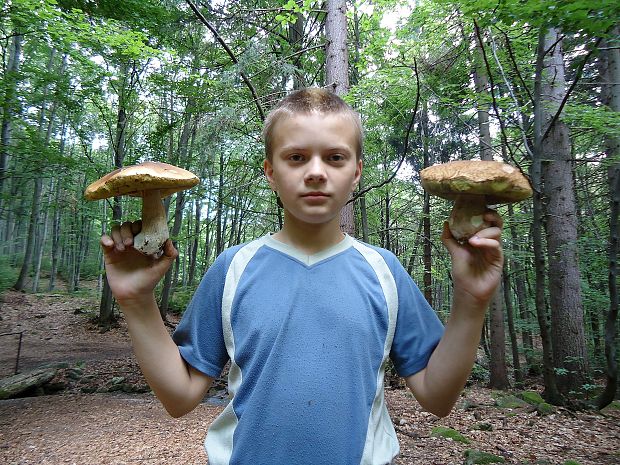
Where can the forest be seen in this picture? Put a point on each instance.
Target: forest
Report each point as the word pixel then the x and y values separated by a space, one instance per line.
pixel 90 86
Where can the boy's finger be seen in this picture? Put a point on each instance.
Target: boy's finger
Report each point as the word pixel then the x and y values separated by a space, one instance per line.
pixel 106 241
pixel 117 238
pixel 483 242
pixel 126 233
pixel 447 239
pixel 494 232
pixel 170 251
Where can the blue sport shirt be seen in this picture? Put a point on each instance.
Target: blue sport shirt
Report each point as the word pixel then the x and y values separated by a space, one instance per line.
pixel 308 338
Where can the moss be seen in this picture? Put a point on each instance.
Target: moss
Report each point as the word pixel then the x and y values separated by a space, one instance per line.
pixel 510 401
pixel 545 409
pixel 571 462
pixel 531 397
pixel 444 432
pixel 615 405
pixel 479 457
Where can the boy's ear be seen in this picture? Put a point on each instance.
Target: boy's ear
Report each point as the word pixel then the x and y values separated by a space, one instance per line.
pixel 358 174
pixel 268 169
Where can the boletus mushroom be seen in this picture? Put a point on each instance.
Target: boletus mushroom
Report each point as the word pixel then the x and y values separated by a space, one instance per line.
pixel 473 185
pixel 153 181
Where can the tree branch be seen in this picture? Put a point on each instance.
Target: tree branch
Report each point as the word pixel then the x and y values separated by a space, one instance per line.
pixel 571 88
pixel 406 145
pixel 492 87
pixel 232 56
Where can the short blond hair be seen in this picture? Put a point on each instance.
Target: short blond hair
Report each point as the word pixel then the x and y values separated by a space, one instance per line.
pixel 309 100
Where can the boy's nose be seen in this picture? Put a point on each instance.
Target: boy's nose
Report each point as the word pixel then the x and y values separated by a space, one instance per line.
pixel 316 171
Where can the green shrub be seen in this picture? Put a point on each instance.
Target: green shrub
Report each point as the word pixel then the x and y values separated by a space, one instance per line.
pixel 8 274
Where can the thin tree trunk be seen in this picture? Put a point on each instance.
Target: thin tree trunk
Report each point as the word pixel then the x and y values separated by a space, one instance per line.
pixel 167 288
pixel 426 212
pixel 497 363
pixel 195 242
pixel 40 246
pixel 8 108
pixel 106 306
pixel 520 291
pixel 516 363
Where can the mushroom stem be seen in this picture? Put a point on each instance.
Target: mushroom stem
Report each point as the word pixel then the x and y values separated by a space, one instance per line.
pixel 467 217
pixel 154 233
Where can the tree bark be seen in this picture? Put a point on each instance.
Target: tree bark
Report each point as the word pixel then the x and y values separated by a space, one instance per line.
pixel 611 95
pixel 426 212
pixel 516 363
pixel 337 76
pixel 567 328
pixel 497 346
pixel 8 109
pixel 106 306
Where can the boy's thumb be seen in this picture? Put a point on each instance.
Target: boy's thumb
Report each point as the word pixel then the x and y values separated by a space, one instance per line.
pixel 170 253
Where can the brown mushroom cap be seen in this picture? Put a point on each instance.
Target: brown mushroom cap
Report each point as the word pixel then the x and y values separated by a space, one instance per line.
pixel 497 181
pixel 132 180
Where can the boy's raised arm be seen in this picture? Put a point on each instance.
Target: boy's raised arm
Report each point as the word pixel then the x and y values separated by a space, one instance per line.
pixel 132 277
pixel 476 273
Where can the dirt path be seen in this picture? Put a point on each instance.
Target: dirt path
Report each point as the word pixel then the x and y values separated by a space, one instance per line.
pixel 82 426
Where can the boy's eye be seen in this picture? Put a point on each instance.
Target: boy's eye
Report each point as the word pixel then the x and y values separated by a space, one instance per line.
pixel 336 157
pixel 296 157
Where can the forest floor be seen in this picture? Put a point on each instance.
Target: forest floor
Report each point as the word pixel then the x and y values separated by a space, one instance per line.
pixel 101 411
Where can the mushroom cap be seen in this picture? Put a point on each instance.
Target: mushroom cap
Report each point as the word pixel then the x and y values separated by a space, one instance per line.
pixel 497 181
pixel 133 180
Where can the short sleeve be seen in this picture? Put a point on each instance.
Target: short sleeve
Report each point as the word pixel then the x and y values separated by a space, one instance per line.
pixel 199 335
pixel 418 329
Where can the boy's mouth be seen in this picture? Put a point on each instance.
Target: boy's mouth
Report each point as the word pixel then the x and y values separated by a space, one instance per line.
pixel 315 194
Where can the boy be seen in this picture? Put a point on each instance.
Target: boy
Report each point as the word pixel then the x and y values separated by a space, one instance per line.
pixel 307 316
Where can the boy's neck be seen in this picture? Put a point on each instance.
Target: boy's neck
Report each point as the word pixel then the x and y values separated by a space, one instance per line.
pixel 309 238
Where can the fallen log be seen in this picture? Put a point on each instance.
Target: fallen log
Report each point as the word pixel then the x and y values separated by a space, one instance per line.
pixel 17 384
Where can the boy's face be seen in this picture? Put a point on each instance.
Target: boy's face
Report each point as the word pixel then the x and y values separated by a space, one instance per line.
pixel 314 167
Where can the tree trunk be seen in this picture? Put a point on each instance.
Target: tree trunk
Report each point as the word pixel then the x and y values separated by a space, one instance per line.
pixel 8 108
pixel 40 244
pixel 567 328
pixel 166 293
pixel 20 284
pixel 219 233
pixel 497 345
pixel 106 306
pixel 337 76
pixel 194 245
pixel 426 213
pixel 44 138
pixel 611 92
pixel 551 392
pixel 520 291
pixel 516 363
pixel 295 39
pixel 55 252
pixel 481 83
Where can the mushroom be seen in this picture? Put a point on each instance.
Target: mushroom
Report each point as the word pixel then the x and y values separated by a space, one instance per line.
pixel 152 181
pixel 473 185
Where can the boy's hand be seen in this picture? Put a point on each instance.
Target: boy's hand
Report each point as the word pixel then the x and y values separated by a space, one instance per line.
pixel 131 274
pixel 477 265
